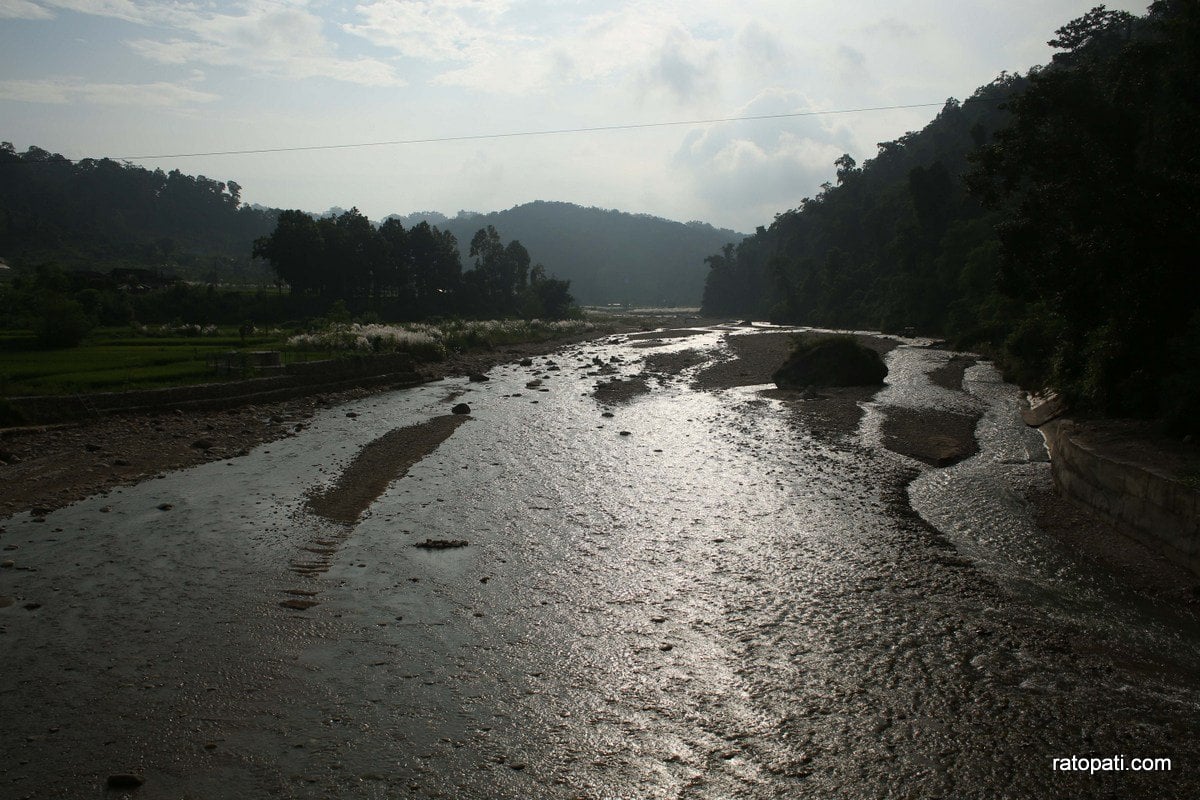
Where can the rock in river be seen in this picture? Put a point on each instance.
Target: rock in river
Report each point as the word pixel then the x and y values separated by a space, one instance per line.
pixel 830 361
pixel 441 544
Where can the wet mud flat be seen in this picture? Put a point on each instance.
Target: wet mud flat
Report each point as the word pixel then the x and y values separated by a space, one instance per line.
pixel 720 592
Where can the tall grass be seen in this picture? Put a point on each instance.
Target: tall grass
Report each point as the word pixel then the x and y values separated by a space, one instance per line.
pixel 434 341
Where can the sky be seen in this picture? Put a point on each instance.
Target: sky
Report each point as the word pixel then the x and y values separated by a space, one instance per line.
pixel 157 82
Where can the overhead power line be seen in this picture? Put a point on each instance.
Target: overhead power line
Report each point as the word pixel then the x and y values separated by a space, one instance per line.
pixel 547 132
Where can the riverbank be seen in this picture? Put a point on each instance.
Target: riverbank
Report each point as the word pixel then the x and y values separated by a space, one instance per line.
pixel 49 467
pixel 695 585
pixel 43 468
pixel 1126 475
pixel 939 438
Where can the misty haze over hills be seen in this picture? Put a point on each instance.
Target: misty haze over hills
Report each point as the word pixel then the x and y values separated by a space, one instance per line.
pixel 98 214
pixel 608 256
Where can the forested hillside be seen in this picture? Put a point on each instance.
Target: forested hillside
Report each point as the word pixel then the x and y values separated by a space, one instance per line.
pixel 100 214
pixel 608 256
pixel 882 248
pixel 1046 219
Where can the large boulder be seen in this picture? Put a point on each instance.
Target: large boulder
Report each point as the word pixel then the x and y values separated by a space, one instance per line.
pixel 830 361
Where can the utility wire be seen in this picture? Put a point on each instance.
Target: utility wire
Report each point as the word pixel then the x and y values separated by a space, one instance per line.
pixel 550 132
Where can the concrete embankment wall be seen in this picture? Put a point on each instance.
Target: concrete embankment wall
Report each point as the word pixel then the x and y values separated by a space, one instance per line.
pixel 1159 509
pixel 294 380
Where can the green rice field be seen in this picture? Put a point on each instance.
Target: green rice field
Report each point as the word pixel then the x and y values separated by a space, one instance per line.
pixel 115 360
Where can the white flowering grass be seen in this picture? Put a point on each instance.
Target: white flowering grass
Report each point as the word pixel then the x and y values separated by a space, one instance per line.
pixel 434 341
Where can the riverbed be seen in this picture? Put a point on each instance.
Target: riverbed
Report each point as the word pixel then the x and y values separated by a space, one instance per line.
pixel 667 592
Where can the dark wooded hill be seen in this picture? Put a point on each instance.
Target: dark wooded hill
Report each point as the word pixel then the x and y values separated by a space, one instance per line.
pixel 608 256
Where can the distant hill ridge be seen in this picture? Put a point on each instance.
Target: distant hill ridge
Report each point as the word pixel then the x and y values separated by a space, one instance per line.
pixel 99 214
pixel 608 256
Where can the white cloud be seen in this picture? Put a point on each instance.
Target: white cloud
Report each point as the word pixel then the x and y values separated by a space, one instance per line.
pixel 266 36
pixel 760 166
pixel 435 30
pixel 684 68
pixel 890 28
pixel 61 91
pixel 22 9
pixel 502 48
pixel 141 13
pixel 761 51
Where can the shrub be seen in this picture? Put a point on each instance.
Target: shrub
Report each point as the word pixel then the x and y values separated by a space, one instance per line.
pixel 62 323
pixel 1180 403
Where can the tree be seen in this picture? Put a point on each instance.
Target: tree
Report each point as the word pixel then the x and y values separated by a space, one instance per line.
pixel 295 251
pixel 395 270
pixel 1098 183
pixel 1086 34
pixel 437 267
pixel 501 271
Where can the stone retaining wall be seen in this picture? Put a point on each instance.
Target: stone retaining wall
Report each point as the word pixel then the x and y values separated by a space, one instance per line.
pixel 296 380
pixel 1158 508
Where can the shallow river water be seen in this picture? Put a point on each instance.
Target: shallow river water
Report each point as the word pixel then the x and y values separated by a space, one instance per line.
pixel 718 603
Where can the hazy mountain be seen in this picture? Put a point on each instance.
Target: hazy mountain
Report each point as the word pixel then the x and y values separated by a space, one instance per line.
pixel 608 256
pixel 434 218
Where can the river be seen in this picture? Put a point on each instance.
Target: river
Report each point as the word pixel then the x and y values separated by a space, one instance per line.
pixel 696 597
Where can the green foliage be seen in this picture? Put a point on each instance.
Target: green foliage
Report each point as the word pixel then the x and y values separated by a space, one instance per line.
pixel 1180 401
pixel 97 214
pixel 406 274
pixel 1098 184
pixel 830 361
pixel 547 298
pixel 882 248
pixel 61 322
pixel 1052 229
